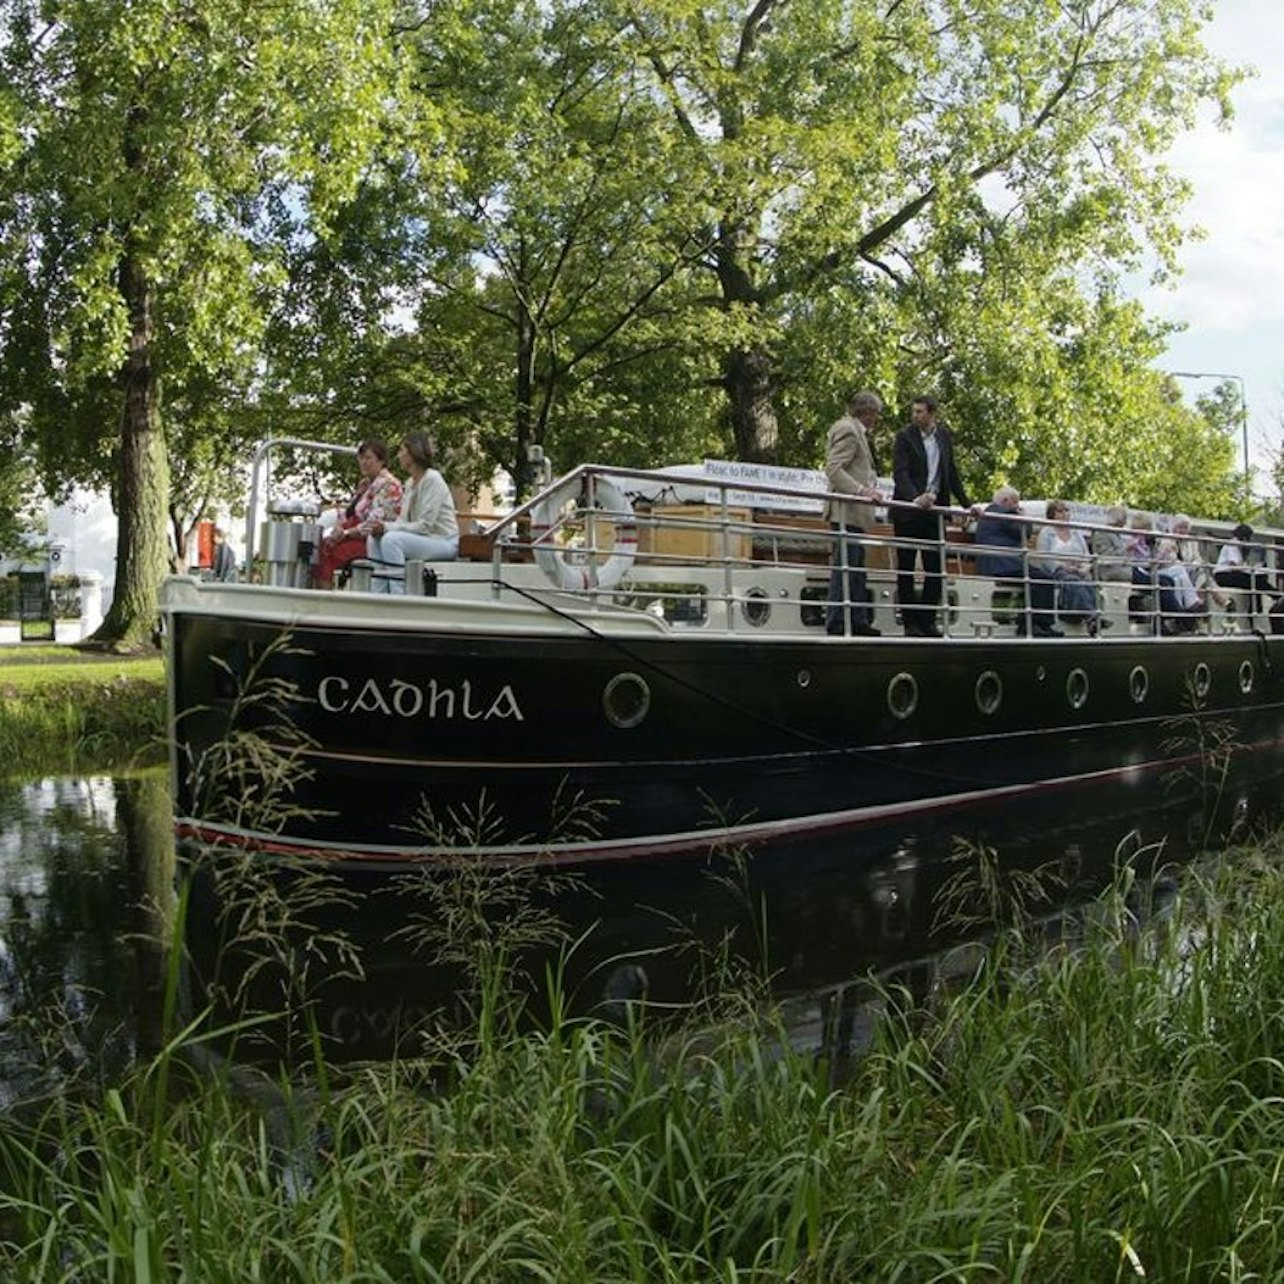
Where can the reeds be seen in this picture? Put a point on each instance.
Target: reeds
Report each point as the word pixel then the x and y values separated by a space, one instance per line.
pixel 1107 1110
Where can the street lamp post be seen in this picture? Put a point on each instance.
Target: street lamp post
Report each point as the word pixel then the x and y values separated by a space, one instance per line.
pixel 1243 408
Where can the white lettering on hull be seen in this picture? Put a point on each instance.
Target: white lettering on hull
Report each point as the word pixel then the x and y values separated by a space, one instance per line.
pixel 393 698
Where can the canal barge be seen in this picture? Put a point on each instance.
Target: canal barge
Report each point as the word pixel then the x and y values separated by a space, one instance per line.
pixel 633 668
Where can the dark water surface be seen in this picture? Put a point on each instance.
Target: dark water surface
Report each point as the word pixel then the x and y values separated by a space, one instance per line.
pixel 88 896
pixel 86 886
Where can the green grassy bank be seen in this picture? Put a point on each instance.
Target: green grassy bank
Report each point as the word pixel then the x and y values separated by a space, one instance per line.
pixel 63 711
pixel 1108 1111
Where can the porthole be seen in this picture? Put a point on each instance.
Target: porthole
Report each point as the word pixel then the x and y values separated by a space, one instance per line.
pixel 989 691
pixel 755 607
pixel 1246 676
pixel 902 695
pixel 626 700
pixel 804 678
pixel 1077 688
pixel 1139 685
pixel 1203 679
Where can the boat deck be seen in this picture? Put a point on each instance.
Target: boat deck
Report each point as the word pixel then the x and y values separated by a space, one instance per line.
pixel 638 550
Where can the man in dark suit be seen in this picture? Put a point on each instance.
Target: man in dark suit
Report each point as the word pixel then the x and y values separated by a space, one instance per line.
pixel 925 476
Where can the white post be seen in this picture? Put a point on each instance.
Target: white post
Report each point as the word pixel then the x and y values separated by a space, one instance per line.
pixel 91 601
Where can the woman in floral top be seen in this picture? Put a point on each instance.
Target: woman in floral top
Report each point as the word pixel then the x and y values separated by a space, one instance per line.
pixel 378 499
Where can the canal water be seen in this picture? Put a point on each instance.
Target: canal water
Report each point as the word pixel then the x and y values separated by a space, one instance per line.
pixel 90 894
pixel 86 891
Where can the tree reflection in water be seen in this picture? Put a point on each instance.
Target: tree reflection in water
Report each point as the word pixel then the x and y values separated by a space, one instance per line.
pixel 81 929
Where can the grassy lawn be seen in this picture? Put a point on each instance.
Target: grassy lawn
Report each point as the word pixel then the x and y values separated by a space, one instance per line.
pixel 64 710
pixel 23 674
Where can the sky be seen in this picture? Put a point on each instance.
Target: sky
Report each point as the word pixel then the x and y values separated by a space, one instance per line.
pixel 1231 294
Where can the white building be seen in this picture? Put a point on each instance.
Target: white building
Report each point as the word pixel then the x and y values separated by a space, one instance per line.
pixel 82 538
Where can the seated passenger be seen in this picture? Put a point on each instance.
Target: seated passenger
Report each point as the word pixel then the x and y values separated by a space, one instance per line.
pixel 1066 560
pixel 377 498
pixel 1181 604
pixel 1109 547
pixel 1155 566
pixel 1001 554
pixel 426 526
pixel 1236 567
pixel 1190 554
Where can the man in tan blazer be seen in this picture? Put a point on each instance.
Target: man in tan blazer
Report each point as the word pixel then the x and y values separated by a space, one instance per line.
pixel 849 466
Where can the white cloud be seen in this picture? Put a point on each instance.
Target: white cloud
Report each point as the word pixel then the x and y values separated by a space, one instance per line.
pixel 1236 276
pixel 1231 293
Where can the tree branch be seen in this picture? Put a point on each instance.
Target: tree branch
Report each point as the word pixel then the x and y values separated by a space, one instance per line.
pixel 749 33
pixel 889 227
pixel 667 79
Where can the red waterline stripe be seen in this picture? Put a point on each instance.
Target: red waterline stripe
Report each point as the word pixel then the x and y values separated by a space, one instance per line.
pixel 672 845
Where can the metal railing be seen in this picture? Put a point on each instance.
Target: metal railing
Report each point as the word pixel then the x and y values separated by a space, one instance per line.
pixel 686 526
pixel 730 537
pixel 261 480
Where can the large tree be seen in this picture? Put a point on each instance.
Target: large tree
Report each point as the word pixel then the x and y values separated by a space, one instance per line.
pixel 161 146
pixel 509 297
pixel 881 148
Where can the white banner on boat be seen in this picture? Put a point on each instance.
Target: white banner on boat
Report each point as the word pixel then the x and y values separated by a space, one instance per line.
pixel 801 479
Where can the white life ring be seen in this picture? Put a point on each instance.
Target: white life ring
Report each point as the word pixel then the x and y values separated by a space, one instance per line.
pixel 594 571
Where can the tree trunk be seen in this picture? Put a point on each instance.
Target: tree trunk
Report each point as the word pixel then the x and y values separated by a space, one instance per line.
pixel 142 490
pixel 750 385
pixel 524 386
pixel 747 373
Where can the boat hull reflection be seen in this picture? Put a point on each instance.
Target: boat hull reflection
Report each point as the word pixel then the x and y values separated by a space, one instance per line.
pixel 817 915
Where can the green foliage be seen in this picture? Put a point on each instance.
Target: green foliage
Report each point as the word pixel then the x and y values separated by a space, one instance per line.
pixel 143 225
pixel 939 199
pixel 20 515
pixel 623 232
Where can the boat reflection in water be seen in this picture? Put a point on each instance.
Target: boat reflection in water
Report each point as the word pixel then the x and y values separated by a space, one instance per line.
pixel 86 890
pixel 369 963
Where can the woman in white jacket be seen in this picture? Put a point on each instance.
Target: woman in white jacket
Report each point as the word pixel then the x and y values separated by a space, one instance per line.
pixel 426 526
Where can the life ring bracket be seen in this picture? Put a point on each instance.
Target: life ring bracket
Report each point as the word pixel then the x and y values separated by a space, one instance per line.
pixel 601 569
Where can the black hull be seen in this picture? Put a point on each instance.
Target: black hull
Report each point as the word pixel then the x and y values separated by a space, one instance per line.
pixel 518 747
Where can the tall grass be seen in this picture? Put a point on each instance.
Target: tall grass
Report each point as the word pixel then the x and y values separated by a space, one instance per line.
pixel 273 922
pixel 1110 1111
